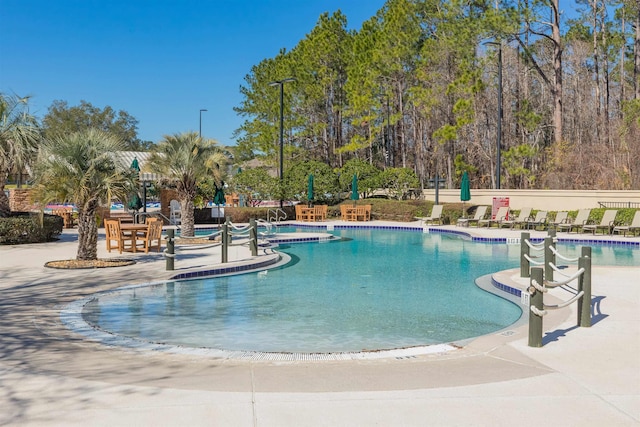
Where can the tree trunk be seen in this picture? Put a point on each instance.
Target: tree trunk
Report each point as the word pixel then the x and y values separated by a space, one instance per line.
pixel 557 69
pixel 87 233
pixel 636 55
pixel 187 228
pixel 5 209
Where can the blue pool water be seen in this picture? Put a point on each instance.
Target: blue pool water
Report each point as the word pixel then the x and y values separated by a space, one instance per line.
pixel 375 289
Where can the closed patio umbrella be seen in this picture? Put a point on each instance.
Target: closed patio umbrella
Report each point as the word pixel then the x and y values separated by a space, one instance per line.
pixel 465 192
pixel 354 189
pixel 310 190
pixel 218 199
pixel 134 164
pixel 135 203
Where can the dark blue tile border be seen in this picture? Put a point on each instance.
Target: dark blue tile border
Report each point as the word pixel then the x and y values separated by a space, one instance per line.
pixel 505 288
pixel 225 270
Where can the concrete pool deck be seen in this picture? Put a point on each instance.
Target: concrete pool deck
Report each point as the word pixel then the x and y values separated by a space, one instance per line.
pixel 52 376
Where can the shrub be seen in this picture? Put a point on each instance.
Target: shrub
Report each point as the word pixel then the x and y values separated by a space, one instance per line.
pixel 24 227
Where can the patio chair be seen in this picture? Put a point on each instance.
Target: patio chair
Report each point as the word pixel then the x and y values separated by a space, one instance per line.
pixel 632 228
pixel 481 211
pixel 540 220
pixel 561 218
pixel 607 223
pixel 501 216
pixel 115 234
pixel 523 218
pixel 436 215
pixel 580 220
pixel 320 213
pixel 152 237
pixel 175 212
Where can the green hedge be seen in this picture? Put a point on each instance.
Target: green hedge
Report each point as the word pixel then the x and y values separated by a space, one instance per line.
pixel 24 227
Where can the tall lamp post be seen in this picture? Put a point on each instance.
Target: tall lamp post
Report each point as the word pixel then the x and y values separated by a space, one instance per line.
pixel 200 131
pixel 499 120
pixel 281 84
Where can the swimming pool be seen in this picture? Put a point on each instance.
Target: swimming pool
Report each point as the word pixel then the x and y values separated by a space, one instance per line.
pixel 374 289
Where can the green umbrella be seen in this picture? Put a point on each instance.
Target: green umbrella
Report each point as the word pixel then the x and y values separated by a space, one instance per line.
pixel 134 164
pixel 465 192
pixel 310 189
pixel 354 189
pixel 218 199
pixel 135 203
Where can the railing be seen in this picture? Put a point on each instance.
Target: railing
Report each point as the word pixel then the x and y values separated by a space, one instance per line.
pixel 137 216
pixel 276 215
pixel 619 205
pixel 541 280
pixel 247 236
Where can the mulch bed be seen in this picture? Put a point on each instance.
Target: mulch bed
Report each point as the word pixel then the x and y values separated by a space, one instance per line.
pixel 96 263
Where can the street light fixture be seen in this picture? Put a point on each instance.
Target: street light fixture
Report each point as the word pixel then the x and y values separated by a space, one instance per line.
pixel 499 120
pixel 281 84
pixel 200 131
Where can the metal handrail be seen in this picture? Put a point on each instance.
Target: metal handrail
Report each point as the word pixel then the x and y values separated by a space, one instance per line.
pixel 278 215
pixel 153 214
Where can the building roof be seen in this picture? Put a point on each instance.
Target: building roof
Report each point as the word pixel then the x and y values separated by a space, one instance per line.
pixel 126 158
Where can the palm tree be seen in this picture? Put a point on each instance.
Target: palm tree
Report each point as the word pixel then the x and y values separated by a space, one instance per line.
pixel 80 168
pixel 19 134
pixel 184 160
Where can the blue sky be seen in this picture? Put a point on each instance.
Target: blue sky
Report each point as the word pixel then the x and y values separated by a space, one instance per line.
pixel 159 60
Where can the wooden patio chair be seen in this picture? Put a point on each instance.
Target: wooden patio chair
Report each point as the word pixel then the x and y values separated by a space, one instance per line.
pixel 152 237
pixel 115 234
pixel 320 213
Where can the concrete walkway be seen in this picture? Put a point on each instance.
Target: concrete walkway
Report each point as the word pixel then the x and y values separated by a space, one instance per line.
pixel 50 376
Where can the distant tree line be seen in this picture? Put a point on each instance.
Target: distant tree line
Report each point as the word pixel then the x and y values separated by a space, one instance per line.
pixel 417 87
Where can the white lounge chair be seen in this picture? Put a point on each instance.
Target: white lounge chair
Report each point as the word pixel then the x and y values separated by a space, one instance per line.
pixel 580 220
pixel 501 216
pixel 436 215
pixel 632 228
pixel 175 212
pixel 481 211
pixel 606 224
pixel 523 218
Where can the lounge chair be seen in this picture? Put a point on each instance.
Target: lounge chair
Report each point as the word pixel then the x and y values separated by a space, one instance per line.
pixel 523 218
pixel 121 238
pixel 580 220
pixel 501 216
pixel 632 228
pixel 607 223
pixel 175 212
pixel 152 237
pixel 540 220
pixel 481 211
pixel 561 218
pixel 436 215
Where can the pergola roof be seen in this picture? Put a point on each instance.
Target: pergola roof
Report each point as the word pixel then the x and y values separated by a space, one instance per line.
pixel 126 158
